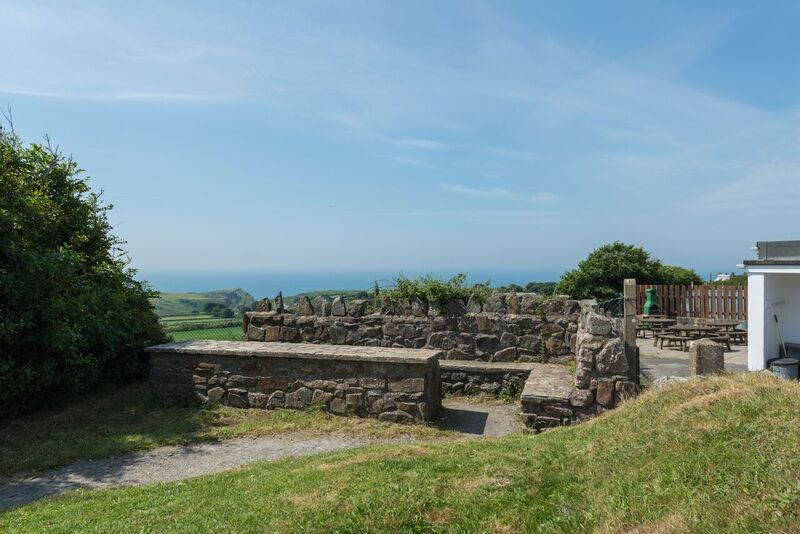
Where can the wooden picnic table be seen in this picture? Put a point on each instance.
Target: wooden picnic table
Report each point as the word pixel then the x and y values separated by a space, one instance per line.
pixel 723 324
pixel 660 321
pixel 688 329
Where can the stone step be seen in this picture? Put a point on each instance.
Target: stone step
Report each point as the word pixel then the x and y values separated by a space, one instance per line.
pixel 486 367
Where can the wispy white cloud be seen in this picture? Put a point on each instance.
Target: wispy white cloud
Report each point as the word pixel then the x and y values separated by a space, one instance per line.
pixel 113 95
pixel 409 161
pixel 771 186
pixel 497 192
pixel 425 144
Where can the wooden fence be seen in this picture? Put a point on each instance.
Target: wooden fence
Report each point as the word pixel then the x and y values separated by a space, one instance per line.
pixel 706 302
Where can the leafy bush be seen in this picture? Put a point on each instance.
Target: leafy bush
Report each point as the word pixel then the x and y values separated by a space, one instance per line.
pixel 602 273
pixel 435 290
pixel 72 314
pixel 674 275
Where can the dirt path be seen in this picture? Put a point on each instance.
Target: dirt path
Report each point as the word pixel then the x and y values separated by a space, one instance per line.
pixel 175 463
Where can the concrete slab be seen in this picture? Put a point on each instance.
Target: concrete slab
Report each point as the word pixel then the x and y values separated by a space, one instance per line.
pixel 308 351
pixel 549 381
pixel 655 363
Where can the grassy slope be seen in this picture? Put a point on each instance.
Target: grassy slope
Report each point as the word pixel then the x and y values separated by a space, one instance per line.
pixel 169 304
pixel 708 456
pixel 129 420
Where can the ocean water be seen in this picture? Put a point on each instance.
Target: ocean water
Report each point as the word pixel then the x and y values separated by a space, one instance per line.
pixel 268 283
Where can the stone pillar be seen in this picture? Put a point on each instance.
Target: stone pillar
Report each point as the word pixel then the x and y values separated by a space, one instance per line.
pixel 706 358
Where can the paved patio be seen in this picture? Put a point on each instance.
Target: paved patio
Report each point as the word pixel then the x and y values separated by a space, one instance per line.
pixel 655 363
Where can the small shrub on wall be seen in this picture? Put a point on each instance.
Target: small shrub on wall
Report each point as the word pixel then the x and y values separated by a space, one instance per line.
pixel 432 289
pixel 72 315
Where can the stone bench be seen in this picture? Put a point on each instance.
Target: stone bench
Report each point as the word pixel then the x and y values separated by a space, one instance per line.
pixel 392 384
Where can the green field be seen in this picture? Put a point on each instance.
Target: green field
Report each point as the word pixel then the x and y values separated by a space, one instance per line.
pixel 230 333
pixel 713 455
pixel 181 304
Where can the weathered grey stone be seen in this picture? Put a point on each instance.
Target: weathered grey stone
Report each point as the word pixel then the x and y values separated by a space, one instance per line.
pixel 552 306
pixel 269 384
pixel 390 329
pixel 623 390
pixel 529 303
pixel 583 377
pixel 239 381
pixel 611 359
pixel 403 306
pixel 257 400
pixel 407 385
pixel 321 397
pixel 496 303
pixel 263 305
pixel 372 382
pixel 321 305
pixel 357 307
pixel 338 307
pixel 337 333
pixel 255 333
pixel 604 391
pixel 513 304
pixel 338 406
pixel 454 307
pixel 272 333
pixel 572 307
pixel 598 325
pixel 396 416
pixel 304 306
pixel 277 400
pixel 508 354
pixel 706 358
pixel 277 304
pixel 419 308
pixel 215 394
pixel 299 399
pixel 507 339
pixel 581 397
pixel 487 342
pixel 238 398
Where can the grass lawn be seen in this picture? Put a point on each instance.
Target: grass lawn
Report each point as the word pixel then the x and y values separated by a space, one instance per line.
pixel 129 420
pixel 707 456
pixel 228 333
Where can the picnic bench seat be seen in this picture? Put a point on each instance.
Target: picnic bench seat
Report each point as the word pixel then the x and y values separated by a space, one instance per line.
pixel 671 339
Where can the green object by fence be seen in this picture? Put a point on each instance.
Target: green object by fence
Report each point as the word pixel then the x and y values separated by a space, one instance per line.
pixel 651 304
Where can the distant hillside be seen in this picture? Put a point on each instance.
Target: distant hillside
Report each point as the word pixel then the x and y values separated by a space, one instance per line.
pixel 169 304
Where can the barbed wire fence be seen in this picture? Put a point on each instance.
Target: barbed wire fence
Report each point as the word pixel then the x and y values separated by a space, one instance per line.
pixel 613 307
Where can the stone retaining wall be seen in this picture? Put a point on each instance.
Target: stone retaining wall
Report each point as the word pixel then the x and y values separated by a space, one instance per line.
pixel 603 376
pixel 508 327
pixel 467 378
pixel 390 384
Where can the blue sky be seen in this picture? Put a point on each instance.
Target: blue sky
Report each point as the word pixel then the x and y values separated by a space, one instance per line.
pixel 419 135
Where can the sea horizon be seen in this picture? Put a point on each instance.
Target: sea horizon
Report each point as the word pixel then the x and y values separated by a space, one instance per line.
pixel 267 283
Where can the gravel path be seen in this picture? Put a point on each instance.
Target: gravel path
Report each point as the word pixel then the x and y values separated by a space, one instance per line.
pixel 166 464
pixel 178 462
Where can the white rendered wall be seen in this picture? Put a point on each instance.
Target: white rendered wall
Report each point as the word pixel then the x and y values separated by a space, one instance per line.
pixel 768 295
pixel 755 322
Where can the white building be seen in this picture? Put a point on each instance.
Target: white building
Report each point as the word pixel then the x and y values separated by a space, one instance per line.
pixel 773 292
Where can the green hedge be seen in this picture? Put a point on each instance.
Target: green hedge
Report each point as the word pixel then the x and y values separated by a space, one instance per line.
pixel 72 315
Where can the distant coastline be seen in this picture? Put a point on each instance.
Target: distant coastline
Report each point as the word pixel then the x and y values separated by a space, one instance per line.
pixel 268 283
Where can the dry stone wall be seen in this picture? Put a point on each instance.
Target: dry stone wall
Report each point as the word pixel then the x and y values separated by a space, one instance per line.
pixel 507 328
pixel 388 384
pixel 602 378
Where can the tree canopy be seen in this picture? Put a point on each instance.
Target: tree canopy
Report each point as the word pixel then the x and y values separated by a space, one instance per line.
pixel 72 314
pixel 602 273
